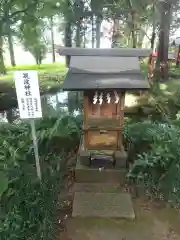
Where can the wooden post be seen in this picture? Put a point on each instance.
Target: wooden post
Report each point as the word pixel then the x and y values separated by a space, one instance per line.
pixel 86 102
pixel 120 115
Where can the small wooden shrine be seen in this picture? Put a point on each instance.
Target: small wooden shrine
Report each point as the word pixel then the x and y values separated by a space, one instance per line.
pixel 104 76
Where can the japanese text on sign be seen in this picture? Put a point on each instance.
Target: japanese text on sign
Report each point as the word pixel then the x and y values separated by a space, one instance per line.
pixel 27 89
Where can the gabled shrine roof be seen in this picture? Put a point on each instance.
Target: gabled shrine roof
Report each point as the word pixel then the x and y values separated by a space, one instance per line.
pixel 104 69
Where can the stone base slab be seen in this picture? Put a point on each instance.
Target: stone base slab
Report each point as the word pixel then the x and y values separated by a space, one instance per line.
pixel 103 205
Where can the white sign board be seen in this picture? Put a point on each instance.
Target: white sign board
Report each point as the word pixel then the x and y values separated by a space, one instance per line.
pixel 28 95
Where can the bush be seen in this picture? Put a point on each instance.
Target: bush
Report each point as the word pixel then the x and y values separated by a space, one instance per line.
pixel 157 150
pixel 28 208
pixel 161 103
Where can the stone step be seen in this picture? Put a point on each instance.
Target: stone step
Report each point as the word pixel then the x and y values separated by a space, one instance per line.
pixel 94 175
pixel 85 174
pixel 97 187
pixel 103 205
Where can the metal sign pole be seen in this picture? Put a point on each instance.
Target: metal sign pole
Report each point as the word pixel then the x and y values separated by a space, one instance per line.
pixel 33 130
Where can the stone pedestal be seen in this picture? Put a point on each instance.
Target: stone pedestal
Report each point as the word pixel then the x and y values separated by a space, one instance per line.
pixel 120 159
pixel 86 174
pixel 97 193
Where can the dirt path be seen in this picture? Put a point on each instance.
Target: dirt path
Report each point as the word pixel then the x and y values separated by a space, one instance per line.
pixel 152 223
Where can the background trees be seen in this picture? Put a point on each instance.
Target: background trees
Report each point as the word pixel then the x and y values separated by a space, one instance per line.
pixel 80 21
pixel 13 11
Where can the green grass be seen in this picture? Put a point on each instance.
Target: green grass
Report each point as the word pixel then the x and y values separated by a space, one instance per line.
pixel 50 75
pixel 53 66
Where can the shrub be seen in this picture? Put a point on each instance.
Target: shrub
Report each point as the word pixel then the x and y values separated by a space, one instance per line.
pixel 157 150
pixel 29 207
pixel 161 103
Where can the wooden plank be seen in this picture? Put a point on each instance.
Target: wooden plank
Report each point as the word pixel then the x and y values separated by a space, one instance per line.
pixel 103 152
pixel 119 128
pixel 103 121
pixel 101 147
pixel 102 140
pixel 116 52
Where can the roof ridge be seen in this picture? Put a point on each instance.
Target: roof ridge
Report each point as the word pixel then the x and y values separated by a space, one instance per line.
pixel 108 52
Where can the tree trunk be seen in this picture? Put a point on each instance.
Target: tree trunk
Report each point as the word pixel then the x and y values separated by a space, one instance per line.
pixel 161 71
pixel 2 65
pixel 132 23
pixel 177 57
pixel 140 39
pixel 93 32
pixel 151 61
pixel 40 60
pixel 68 39
pixel 9 114
pixel 84 38
pixel 153 37
pixel 10 43
pixel 134 37
pixel 52 39
pixel 115 35
pixel 98 31
pixel 37 59
pixel 68 31
pixel 84 28
pixel 129 40
pixel 78 34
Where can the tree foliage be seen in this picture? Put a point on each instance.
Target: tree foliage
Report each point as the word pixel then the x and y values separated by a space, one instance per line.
pixel 12 11
pixel 131 19
pixel 31 36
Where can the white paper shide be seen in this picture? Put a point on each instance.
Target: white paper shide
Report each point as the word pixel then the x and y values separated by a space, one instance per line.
pixel 28 95
pixel 98 98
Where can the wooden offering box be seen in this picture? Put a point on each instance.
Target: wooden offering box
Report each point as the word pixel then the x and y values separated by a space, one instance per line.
pixel 104 76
